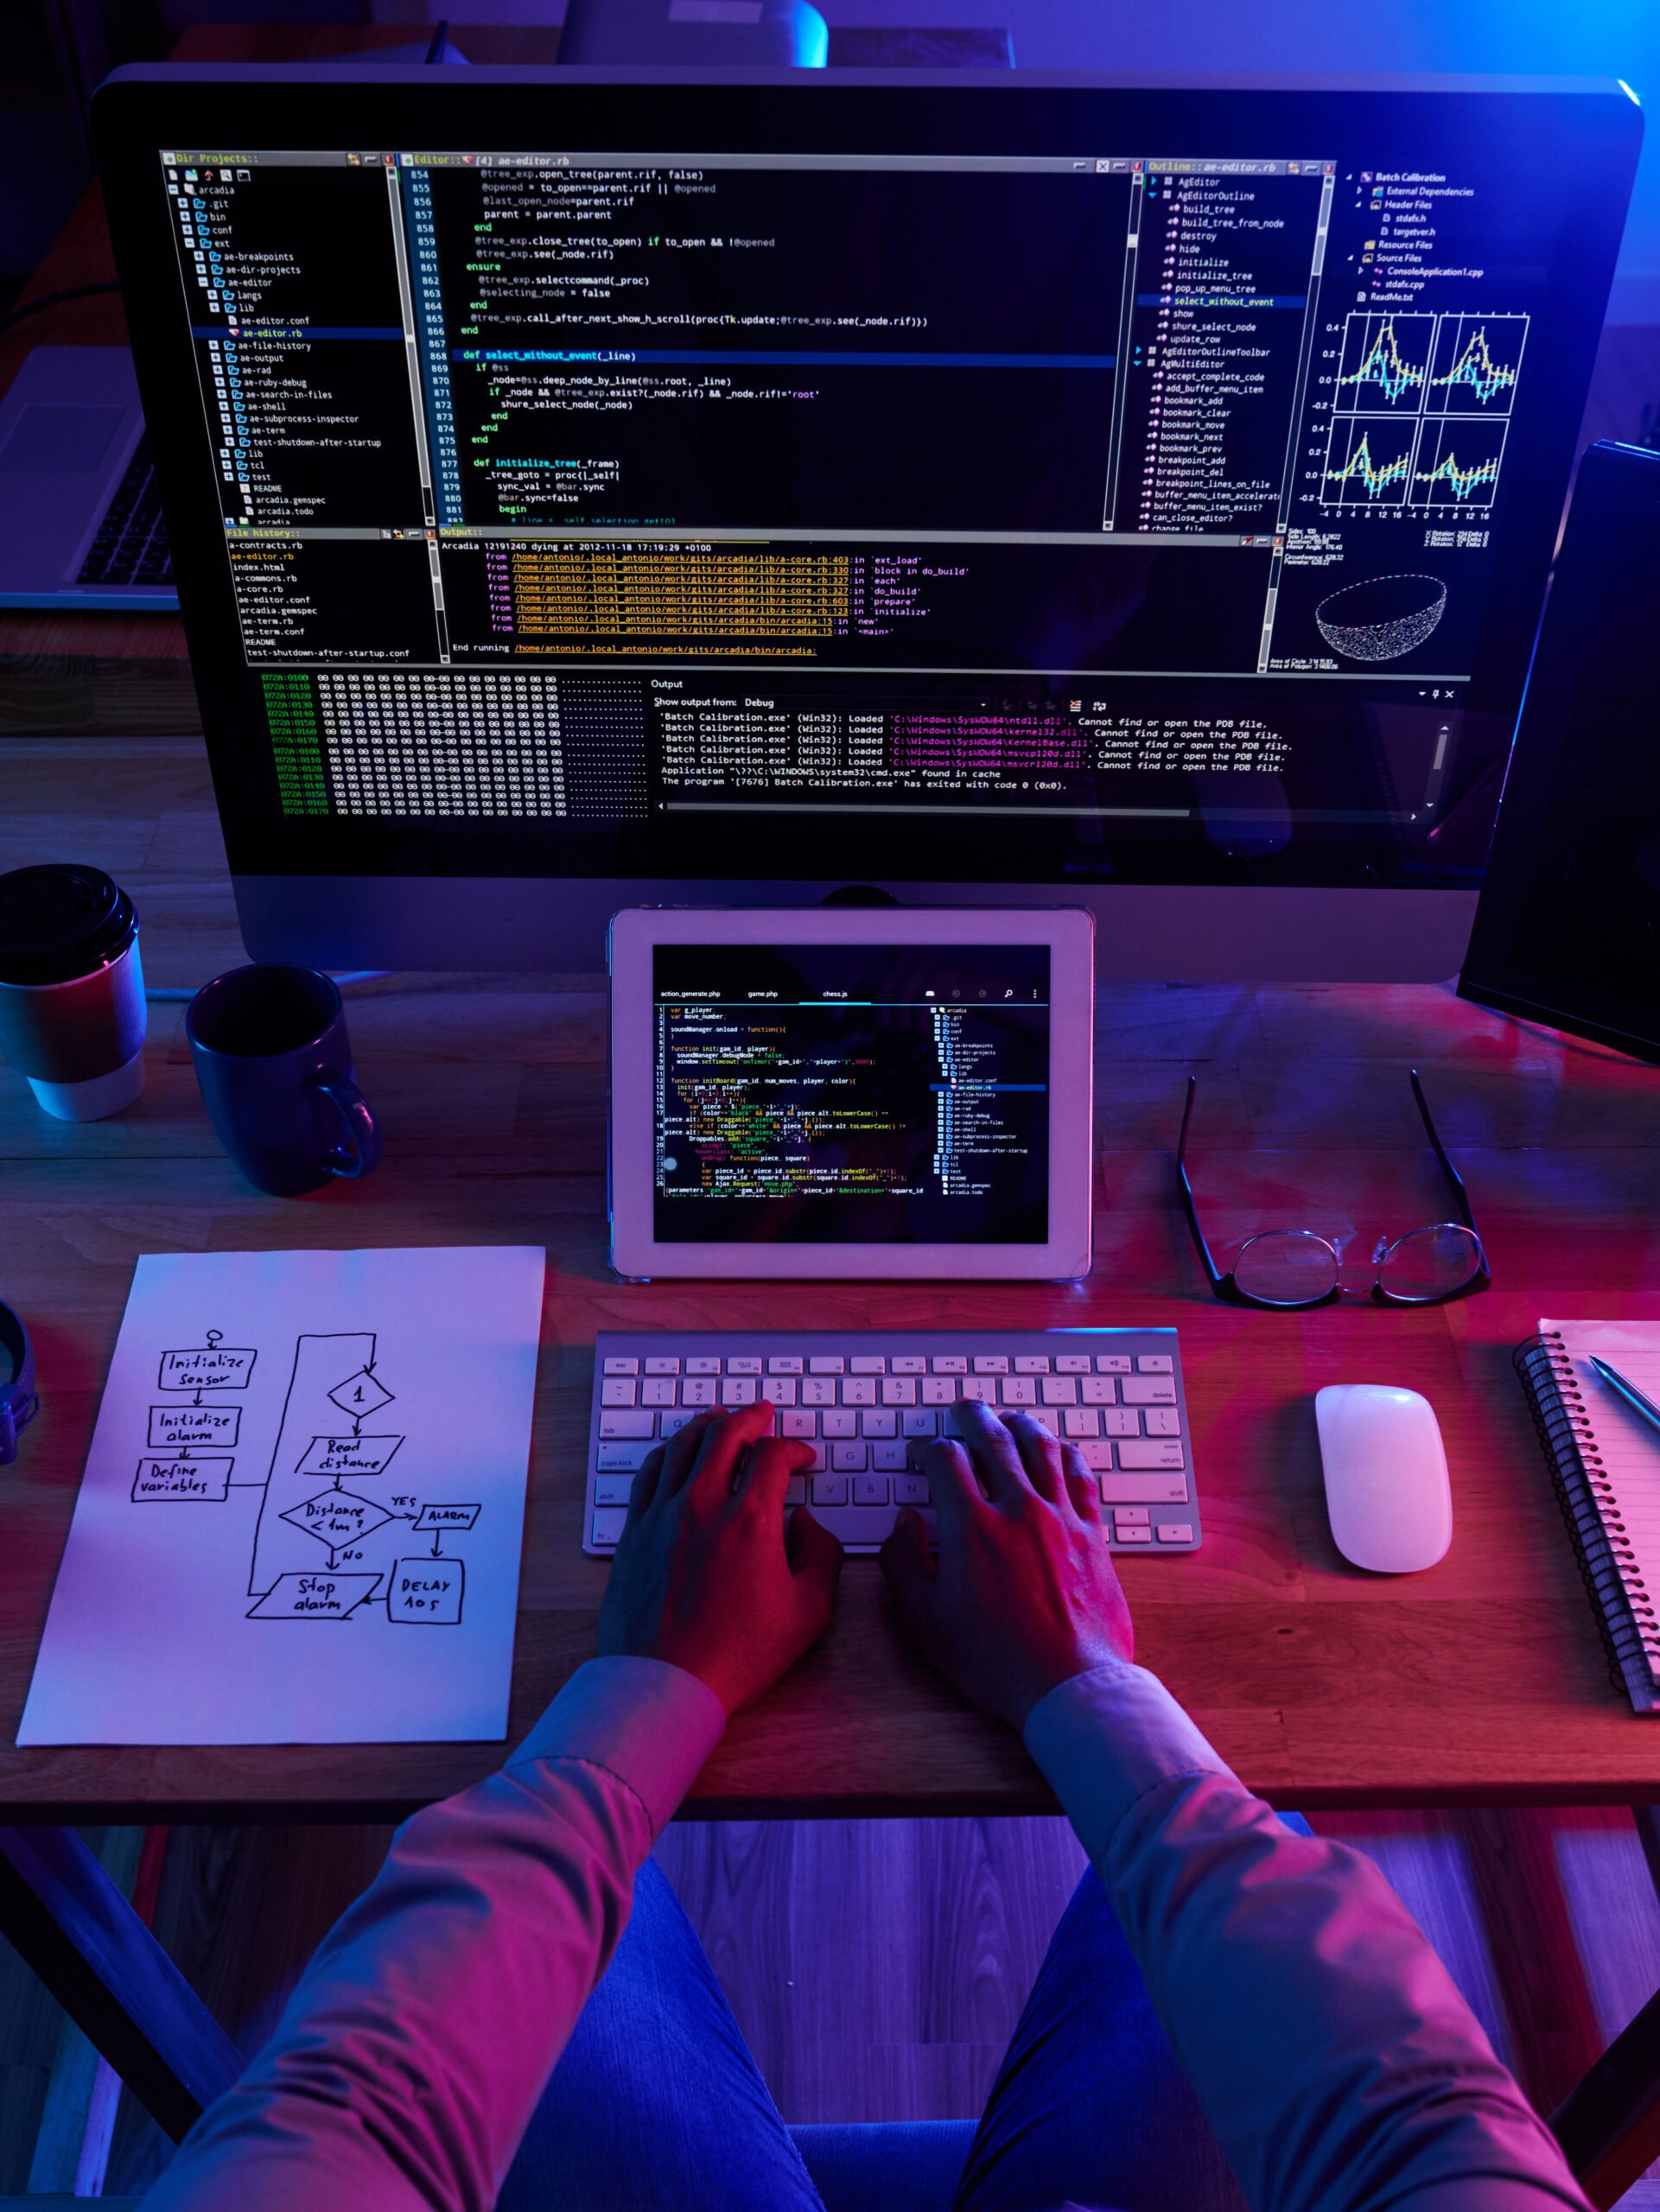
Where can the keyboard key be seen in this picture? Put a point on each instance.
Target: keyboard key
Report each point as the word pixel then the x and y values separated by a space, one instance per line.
pixel 1134 1513
pixel 1098 1390
pixel 849 1459
pixel 1148 1390
pixel 881 1421
pixel 1154 1490
pixel 604 1524
pixel 1046 1416
pixel 703 1364
pixel 738 1364
pixel 663 1367
pixel 797 1423
pixel 868 1363
pixel 616 1425
pixel 859 1391
pixel 870 1490
pixel 940 1390
pixel 616 1459
pixel 1175 1532
pixel 918 1424
pixel 818 1390
pixel 1072 1363
pixel 612 1490
pixel 1098 1458
pixel 950 1362
pixel 1028 1363
pixel 738 1390
pixel 980 1387
pixel 671 1424
pixel 1159 1363
pixel 785 1363
pixel 908 1363
pixel 698 1390
pixel 1134 1535
pixel 911 1490
pixel 1120 1420
pixel 1110 1363
pixel 1162 1421
pixel 616 1393
pixel 830 1489
pixel 659 1390
pixel 899 1391
pixel 824 1364
pixel 887 1458
pixel 779 1389
pixel 818 1463
pixel 1021 1390
pixel 1081 1421
pixel 795 1491
pixel 1060 1390
pixel 840 1423
pixel 990 1363
pixel 619 1366
pixel 1164 1452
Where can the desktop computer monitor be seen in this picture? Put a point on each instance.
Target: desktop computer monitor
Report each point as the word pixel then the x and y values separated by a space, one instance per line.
pixel 589 490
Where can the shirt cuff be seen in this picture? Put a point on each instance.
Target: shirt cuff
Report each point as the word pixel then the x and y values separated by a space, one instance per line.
pixel 1106 1738
pixel 650 1724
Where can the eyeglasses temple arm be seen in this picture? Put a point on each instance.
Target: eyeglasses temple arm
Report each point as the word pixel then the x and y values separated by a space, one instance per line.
pixel 1213 1272
pixel 1460 1196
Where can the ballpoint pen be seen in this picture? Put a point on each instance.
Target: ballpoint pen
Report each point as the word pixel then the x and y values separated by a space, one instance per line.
pixel 1629 1391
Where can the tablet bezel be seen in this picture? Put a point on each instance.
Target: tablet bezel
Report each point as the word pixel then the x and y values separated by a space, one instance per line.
pixel 1069 933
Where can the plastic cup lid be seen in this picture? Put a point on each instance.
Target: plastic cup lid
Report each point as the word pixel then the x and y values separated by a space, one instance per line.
pixel 59 922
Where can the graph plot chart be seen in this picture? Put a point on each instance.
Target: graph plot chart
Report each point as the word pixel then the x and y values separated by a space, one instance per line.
pixel 1477 361
pixel 1385 364
pixel 1368 463
pixel 1458 463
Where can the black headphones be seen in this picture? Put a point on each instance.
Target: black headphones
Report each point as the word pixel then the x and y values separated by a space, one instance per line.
pixel 18 1403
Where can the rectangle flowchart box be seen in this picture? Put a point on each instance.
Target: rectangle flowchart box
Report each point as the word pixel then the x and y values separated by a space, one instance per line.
pixel 208 1367
pixel 176 1427
pixel 426 1591
pixel 347 1455
pixel 181 1481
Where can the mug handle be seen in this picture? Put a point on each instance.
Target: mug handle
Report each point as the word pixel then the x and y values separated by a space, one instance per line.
pixel 362 1150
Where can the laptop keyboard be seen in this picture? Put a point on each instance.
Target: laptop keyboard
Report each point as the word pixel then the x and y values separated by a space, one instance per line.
pixel 863 1399
pixel 131 547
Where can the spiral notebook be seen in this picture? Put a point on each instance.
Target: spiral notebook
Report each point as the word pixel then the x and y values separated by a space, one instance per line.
pixel 1604 1462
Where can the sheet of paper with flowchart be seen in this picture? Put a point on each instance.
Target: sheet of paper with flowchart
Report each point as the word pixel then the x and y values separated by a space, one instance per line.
pixel 300 1517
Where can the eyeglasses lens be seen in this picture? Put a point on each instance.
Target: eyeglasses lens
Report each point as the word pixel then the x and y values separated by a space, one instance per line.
pixel 1431 1263
pixel 1286 1267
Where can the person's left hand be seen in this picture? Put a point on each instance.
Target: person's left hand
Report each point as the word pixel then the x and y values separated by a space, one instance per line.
pixel 706 1575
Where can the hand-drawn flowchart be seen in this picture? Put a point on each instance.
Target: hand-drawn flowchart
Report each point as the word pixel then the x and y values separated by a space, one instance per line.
pixel 314 1437
pixel 332 1376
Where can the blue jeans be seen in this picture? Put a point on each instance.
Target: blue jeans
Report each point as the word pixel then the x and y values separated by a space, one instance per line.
pixel 656 2106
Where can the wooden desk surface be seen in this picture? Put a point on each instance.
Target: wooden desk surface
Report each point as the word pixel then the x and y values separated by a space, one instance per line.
pixel 1482 1681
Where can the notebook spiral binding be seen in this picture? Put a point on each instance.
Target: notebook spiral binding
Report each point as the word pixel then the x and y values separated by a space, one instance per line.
pixel 1624 1607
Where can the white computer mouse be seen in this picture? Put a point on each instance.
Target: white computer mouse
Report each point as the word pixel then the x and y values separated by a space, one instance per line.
pixel 1387 1494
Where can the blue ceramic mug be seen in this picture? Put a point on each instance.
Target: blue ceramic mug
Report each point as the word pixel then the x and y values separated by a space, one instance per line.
pixel 275 1066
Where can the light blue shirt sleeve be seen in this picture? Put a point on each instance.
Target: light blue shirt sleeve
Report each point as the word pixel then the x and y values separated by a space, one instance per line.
pixel 1339 2067
pixel 408 2062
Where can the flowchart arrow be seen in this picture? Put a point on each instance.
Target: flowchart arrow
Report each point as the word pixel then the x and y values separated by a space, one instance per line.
pixel 437 1538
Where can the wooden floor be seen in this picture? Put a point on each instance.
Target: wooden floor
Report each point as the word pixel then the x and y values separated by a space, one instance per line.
pixel 877 1969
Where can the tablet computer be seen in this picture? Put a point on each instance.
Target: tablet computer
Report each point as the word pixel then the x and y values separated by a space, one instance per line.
pixel 896 1091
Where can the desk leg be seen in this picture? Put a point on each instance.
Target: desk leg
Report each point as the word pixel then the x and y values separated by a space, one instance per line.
pixel 1609 2124
pixel 68 1921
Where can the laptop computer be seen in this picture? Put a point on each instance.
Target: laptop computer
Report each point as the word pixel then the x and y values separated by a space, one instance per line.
pixel 80 520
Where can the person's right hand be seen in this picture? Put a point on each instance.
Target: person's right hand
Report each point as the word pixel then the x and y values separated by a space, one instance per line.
pixel 1025 1594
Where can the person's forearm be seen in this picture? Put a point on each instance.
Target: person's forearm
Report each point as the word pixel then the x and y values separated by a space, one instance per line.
pixel 408 2061
pixel 1335 2060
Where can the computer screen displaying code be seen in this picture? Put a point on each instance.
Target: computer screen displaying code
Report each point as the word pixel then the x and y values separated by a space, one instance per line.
pixel 862 1094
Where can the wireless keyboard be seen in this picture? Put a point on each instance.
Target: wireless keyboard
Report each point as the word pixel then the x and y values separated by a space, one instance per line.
pixel 863 1398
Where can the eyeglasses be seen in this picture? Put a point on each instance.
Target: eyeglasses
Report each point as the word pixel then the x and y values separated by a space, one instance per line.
pixel 1294 1269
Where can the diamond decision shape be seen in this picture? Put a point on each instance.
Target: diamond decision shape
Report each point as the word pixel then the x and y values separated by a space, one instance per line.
pixel 360 1393
pixel 336 1517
